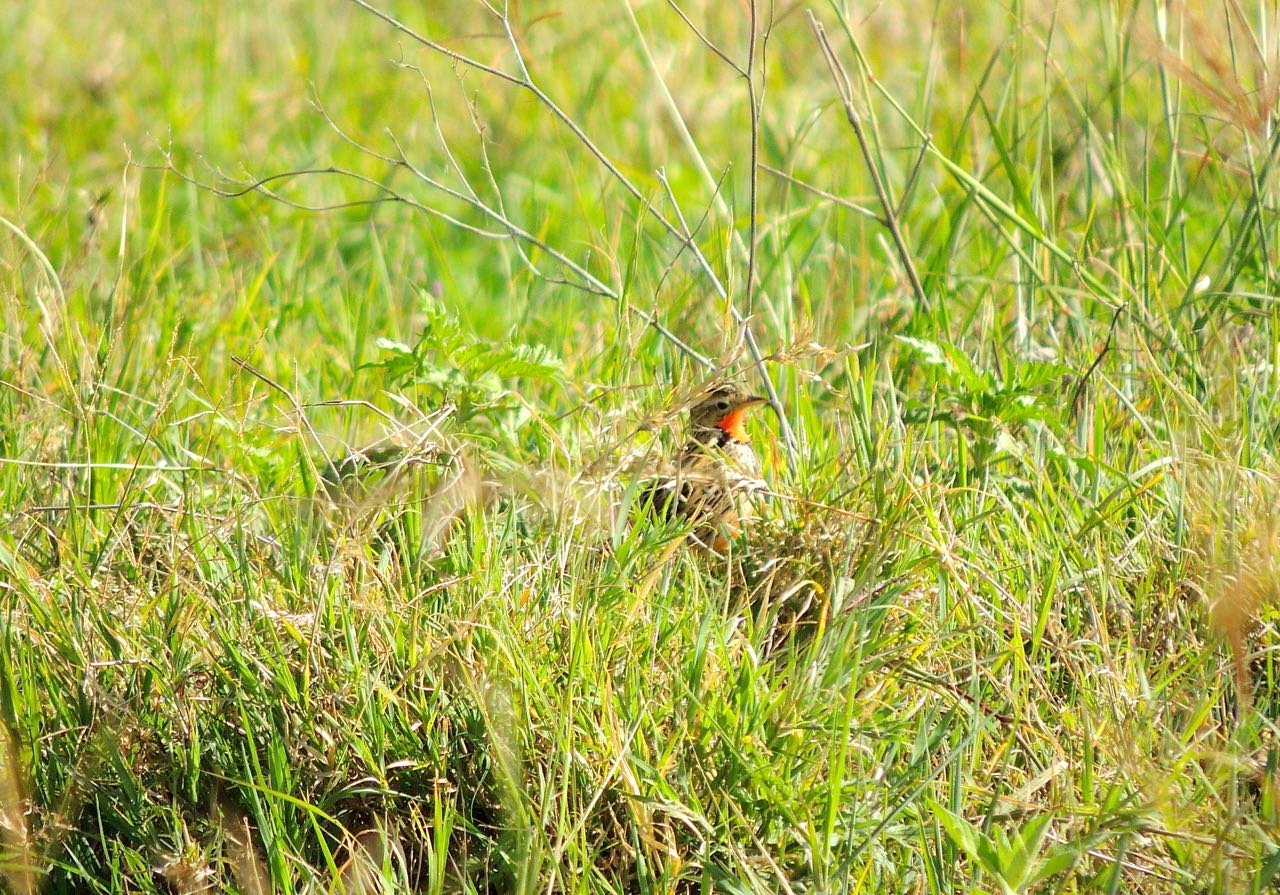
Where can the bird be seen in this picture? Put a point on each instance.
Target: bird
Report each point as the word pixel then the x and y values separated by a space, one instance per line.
pixel 717 465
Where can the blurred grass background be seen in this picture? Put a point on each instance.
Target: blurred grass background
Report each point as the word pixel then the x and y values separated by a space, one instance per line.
pixel 1005 624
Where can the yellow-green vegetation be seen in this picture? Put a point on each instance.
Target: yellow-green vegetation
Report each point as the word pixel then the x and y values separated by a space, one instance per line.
pixel 1003 621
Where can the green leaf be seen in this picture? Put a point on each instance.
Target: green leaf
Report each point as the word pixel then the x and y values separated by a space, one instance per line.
pixel 1017 863
pixel 931 352
pixel 975 380
pixel 394 347
pixel 1057 860
pixel 968 838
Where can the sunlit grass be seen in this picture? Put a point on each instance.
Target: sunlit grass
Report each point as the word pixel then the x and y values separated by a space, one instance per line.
pixel 1002 623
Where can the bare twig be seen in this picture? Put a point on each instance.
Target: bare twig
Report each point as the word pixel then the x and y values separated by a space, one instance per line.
pixel 742 320
pixel 819 192
pixel 889 217
pixel 439 48
pixel 912 178
pixel 289 396
pixel 706 41
pixel 525 81
pixel 661 174
pixel 1078 391
pixel 261 184
pixel 754 102
pixel 589 282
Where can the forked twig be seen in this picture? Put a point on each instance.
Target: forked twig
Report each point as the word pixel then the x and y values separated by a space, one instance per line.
pixel 754 101
pixel 748 336
pixel 912 179
pixel 706 41
pixel 588 282
pixel 1078 392
pixel 525 81
pixel 291 398
pixel 889 216
pixel 819 192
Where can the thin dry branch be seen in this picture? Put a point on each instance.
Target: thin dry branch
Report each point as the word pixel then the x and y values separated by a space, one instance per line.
pixel 293 401
pixel 819 192
pixel 889 215
pixel 525 81
pixel 589 283
pixel 706 214
pixel 706 41
pixel 748 336
pixel 754 101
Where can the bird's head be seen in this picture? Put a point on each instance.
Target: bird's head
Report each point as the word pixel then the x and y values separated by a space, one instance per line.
pixel 723 408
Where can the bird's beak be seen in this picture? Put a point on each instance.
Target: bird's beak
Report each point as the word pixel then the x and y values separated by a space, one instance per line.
pixel 755 399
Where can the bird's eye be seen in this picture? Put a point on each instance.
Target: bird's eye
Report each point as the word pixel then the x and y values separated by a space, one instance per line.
pixel 722 404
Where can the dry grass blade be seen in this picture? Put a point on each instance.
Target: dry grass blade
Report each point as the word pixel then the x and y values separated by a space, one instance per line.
pixel 19 863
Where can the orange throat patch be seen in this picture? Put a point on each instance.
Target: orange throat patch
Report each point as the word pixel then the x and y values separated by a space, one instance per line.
pixel 732 424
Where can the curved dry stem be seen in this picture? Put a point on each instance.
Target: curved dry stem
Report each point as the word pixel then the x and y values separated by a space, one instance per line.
pixel 526 81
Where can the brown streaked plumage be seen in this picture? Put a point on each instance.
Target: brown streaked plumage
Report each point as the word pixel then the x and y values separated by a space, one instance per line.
pixel 714 467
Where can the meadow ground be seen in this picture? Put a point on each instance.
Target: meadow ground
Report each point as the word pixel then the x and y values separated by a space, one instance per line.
pixel 1004 622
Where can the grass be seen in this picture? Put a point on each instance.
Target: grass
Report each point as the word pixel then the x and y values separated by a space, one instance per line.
pixel 1005 622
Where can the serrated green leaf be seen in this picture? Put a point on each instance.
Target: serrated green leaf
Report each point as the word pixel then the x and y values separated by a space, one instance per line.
pixel 975 381
pixel 393 346
pixel 930 352
pixel 967 837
